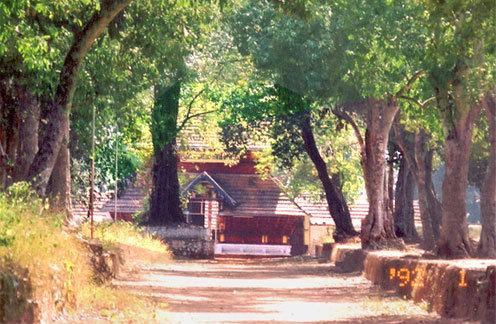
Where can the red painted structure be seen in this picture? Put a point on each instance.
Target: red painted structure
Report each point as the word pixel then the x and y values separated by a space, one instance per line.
pixel 251 210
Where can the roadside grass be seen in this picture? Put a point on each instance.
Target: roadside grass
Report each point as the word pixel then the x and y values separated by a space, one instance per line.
pixel 46 264
pixel 116 305
pixel 120 232
pixel 43 266
pixel 387 305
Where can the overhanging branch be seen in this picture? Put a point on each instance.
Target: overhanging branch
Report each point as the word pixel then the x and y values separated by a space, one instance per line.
pixel 421 105
pixel 347 118
pixel 409 84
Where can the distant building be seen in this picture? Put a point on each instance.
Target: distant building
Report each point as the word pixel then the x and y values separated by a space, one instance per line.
pixel 245 214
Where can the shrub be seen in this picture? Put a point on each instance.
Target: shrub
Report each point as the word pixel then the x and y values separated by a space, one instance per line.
pixel 45 269
pixel 113 233
pixel 47 264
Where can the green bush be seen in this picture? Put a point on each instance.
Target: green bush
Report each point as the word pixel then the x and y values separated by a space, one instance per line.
pixel 45 268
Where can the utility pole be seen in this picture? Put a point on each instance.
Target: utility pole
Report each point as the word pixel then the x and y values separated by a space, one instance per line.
pixel 92 177
pixel 116 170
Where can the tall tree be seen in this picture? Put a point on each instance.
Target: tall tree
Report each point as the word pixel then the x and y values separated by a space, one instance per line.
pixel 487 242
pixel 46 43
pixel 418 154
pixel 57 129
pixel 459 55
pixel 165 204
pixel 338 208
pixel 351 66
pixel 287 118
pixel 404 215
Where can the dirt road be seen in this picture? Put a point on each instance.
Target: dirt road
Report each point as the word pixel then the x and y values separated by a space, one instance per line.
pixel 255 291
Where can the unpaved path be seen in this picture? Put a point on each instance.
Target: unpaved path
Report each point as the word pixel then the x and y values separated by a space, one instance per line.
pixel 256 291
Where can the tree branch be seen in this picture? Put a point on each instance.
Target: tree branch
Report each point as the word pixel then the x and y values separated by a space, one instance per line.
pixel 193 116
pixel 188 116
pixel 398 134
pixel 60 107
pixel 422 105
pixel 409 84
pixel 344 116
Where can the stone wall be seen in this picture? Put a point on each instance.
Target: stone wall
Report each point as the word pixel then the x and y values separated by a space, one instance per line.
pixel 456 289
pixel 464 289
pixel 319 234
pixel 192 242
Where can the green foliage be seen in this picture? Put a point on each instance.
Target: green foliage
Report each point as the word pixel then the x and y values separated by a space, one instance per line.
pixel 460 54
pixel 164 115
pixel 34 36
pixel 340 51
pixel 261 113
pixel 44 267
pixel 145 47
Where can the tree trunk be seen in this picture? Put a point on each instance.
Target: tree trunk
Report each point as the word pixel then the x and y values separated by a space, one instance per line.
pixel 334 196
pixel 165 203
pixel 418 156
pixel 28 111
pixel 10 131
pixel 487 242
pixel 377 227
pixel 58 117
pixel 434 205
pixel 404 216
pixel 59 185
pixel 3 142
pixel 454 241
pixel 430 208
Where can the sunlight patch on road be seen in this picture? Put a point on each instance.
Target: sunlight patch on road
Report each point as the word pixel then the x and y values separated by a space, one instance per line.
pixel 286 311
pixel 267 283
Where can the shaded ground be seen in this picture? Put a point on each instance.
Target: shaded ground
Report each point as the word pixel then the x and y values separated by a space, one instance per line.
pixel 257 291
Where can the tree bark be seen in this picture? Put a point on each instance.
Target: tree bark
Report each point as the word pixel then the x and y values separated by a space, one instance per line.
pixel 59 185
pixel 165 203
pixel 430 207
pixel 378 226
pixel 425 171
pixel 338 207
pixel 454 241
pixel 28 114
pixel 59 109
pixel 487 242
pixel 3 142
pixel 404 216
pixel 418 156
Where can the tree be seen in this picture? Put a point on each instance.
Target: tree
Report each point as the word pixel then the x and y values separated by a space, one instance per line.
pixel 418 155
pixel 382 45
pixel 287 118
pixel 174 34
pixel 43 38
pixel 165 204
pixel 458 62
pixel 404 216
pixel 338 208
pixel 487 242
pixel 56 133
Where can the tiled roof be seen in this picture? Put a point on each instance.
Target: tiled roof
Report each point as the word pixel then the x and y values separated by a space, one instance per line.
pixel 130 202
pixel 256 197
pixel 320 213
pixel 79 210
